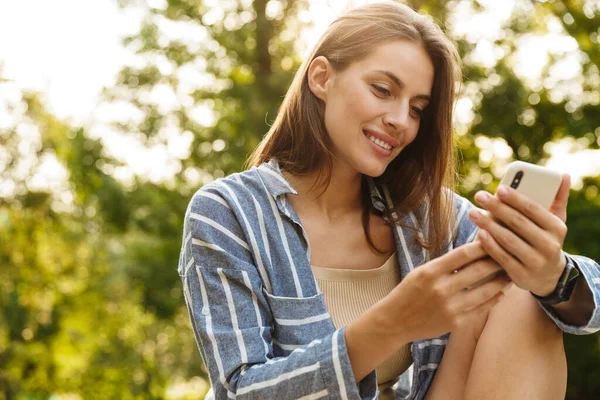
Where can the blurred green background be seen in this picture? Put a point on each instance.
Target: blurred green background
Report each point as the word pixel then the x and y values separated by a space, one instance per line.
pixel 91 303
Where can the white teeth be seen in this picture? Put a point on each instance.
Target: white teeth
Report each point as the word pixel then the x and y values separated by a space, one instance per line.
pixel 381 143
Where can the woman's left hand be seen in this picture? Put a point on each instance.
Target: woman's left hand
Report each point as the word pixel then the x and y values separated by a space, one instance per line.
pixel 529 248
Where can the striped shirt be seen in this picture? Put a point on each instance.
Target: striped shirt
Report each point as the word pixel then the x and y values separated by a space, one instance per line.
pixel 258 315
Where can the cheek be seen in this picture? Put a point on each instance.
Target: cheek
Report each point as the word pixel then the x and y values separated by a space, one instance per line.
pixel 411 136
pixel 414 131
pixel 346 109
pixel 359 104
pixel 353 105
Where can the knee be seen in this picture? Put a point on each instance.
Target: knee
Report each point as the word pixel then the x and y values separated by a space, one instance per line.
pixel 522 311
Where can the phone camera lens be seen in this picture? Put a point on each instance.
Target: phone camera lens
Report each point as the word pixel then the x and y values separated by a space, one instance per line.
pixel 516 180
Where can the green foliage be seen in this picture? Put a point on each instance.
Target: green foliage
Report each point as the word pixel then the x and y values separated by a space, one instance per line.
pixel 583 351
pixel 247 56
pixel 91 303
pixel 85 306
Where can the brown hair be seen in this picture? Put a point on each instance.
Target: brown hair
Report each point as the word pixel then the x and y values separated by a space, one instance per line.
pixel 420 174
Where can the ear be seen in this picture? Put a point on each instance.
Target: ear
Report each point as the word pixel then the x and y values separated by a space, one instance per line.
pixel 320 73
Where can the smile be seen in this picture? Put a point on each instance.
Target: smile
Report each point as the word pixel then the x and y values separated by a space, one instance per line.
pixel 380 143
pixel 382 140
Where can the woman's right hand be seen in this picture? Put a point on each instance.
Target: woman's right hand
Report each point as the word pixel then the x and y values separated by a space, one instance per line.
pixel 429 302
pixel 432 300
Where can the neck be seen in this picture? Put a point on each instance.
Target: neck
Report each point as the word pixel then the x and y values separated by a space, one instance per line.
pixel 340 198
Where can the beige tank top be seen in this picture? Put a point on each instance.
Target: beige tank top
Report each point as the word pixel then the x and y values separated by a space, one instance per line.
pixel 350 292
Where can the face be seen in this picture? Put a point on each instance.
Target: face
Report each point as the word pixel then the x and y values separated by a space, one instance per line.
pixel 373 108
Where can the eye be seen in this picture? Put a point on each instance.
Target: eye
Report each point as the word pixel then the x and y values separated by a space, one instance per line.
pixel 381 90
pixel 417 111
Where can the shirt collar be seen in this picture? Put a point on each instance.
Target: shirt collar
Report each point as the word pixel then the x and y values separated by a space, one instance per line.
pixel 273 179
pixel 277 185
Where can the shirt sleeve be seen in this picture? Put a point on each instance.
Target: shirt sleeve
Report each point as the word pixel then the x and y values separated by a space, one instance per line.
pixel 589 269
pixel 233 324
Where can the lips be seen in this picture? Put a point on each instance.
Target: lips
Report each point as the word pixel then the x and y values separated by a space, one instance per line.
pixel 381 136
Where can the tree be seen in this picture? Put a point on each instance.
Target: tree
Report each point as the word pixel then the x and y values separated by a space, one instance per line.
pixel 74 317
pixel 245 54
pixel 91 302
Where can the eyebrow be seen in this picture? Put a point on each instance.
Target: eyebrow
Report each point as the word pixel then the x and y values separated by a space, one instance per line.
pixel 400 84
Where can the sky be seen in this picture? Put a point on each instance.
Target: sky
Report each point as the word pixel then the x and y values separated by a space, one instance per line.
pixel 70 49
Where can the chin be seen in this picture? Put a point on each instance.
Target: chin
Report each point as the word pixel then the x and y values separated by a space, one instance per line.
pixel 376 175
pixel 374 170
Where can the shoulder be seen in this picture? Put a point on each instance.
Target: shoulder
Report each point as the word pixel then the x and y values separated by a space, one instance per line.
pixel 226 193
pixel 218 218
pixel 219 212
pixel 239 202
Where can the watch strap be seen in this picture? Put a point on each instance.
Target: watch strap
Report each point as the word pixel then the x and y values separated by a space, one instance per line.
pixel 565 286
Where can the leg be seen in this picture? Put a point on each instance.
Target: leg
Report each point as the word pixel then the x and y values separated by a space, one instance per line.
pixel 515 352
pixel 520 354
pixel 452 374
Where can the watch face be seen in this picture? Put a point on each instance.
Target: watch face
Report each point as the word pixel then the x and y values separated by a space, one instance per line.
pixel 564 288
pixel 569 283
pixel 571 273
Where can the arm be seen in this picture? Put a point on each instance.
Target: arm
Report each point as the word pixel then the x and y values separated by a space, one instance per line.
pixel 429 302
pixel 233 323
pixel 529 248
pixel 369 343
pixel 580 314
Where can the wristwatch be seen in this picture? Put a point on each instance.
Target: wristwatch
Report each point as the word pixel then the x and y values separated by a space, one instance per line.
pixel 565 286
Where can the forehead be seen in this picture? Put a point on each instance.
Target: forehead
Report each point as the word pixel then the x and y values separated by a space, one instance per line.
pixel 407 60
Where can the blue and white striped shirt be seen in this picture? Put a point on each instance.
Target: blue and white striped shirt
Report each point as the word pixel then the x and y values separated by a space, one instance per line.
pixel 258 315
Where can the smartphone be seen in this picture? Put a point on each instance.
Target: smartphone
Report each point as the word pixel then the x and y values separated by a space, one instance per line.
pixel 538 183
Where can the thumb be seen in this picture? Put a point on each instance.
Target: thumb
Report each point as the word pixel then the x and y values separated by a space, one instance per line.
pixel 559 205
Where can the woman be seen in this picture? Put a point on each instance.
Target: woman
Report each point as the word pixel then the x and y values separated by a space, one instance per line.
pixel 337 265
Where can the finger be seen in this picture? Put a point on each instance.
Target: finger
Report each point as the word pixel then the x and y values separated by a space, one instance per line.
pixel 513 266
pixel 509 241
pixel 474 274
pixel 473 298
pixel 459 257
pixel 532 210
pixel 559 205
pixel 483 308
pixel 513 219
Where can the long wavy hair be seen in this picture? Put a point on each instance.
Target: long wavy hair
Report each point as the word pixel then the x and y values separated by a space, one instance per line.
pixel 420 176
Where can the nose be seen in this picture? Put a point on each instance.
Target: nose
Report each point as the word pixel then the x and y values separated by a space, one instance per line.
pixel 398 117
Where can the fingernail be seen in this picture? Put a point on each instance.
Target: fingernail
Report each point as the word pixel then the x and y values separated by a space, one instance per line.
pixel 483 235
pixel 475 214
pixel 502 191
pixel 482 197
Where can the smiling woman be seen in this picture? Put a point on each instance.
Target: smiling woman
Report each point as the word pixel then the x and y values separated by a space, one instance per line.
pixel 374 103
pixel 391 85
pixel 328 268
